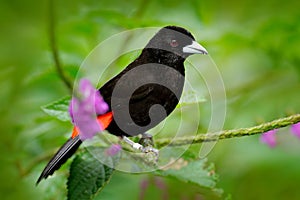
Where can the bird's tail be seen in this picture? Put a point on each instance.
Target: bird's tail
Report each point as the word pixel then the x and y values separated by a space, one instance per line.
pixel 61 156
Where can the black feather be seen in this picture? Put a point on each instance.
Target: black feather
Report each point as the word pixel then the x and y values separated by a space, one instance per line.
pixel 158 52
pixel 62 155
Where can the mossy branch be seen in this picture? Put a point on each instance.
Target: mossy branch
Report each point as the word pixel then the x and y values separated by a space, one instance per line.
pixel 199 138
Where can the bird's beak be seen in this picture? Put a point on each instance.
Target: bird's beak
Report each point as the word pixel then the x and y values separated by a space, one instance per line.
pixel 194 48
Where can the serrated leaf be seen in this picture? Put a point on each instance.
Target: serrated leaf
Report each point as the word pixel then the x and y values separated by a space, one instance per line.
pixel 88 176
pixel 195 172
pixel 58 109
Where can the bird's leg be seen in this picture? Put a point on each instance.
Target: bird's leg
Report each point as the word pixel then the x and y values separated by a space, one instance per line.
pixel 145 144
pixel 150 154
pixel 133 144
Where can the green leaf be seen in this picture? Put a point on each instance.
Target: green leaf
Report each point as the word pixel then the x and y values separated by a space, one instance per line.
pixel 58 109
pixel 88 175
pixel 196 172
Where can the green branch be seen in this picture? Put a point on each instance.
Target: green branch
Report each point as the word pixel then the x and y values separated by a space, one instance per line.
pixel 54 48
pixel 199 138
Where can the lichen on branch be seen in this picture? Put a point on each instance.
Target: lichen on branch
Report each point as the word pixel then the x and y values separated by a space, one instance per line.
pixel 208 137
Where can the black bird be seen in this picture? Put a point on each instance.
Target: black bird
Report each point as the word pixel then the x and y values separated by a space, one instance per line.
pixel 156 77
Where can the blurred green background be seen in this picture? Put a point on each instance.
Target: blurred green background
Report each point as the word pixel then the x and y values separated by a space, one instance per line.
pixel 255 45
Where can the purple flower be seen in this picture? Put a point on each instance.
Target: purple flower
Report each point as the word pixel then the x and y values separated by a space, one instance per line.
pixel 269 138
pixel 84 109
pixel 143 185
pixel 160 183
pixel 113 150
pixel 295 129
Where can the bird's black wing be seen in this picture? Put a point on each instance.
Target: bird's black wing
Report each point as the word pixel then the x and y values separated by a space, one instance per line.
pixel 127 84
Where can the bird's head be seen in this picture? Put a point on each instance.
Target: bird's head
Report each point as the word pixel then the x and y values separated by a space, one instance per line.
pixel 176 40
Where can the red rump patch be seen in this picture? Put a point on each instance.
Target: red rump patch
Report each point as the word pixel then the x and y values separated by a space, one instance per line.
pixel 75 132
pixel 103 120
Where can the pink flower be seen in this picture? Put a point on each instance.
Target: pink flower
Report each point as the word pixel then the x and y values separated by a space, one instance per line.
pixel 269 138
pixel 295 130
pixel 84 109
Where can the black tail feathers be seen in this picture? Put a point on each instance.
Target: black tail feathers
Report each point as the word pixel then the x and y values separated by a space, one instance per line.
pixel 61 156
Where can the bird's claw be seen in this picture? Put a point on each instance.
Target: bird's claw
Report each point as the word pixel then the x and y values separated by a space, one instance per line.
pixel 148 150
pixel 151 154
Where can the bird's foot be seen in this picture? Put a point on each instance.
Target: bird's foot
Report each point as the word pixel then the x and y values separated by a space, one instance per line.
pixel 146 146
pixel 146 140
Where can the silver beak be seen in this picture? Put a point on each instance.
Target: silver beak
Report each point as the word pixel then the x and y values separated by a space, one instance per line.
pixel 194 48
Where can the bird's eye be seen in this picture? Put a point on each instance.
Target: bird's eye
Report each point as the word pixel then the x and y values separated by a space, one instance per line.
pixel 173 43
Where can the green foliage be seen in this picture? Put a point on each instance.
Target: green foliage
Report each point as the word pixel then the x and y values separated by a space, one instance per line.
pixel 87 176
pixel 58 109
pixel 194 172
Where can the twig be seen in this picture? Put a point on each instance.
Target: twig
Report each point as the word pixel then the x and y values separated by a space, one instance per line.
pixel 199 138
pixel 54 49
